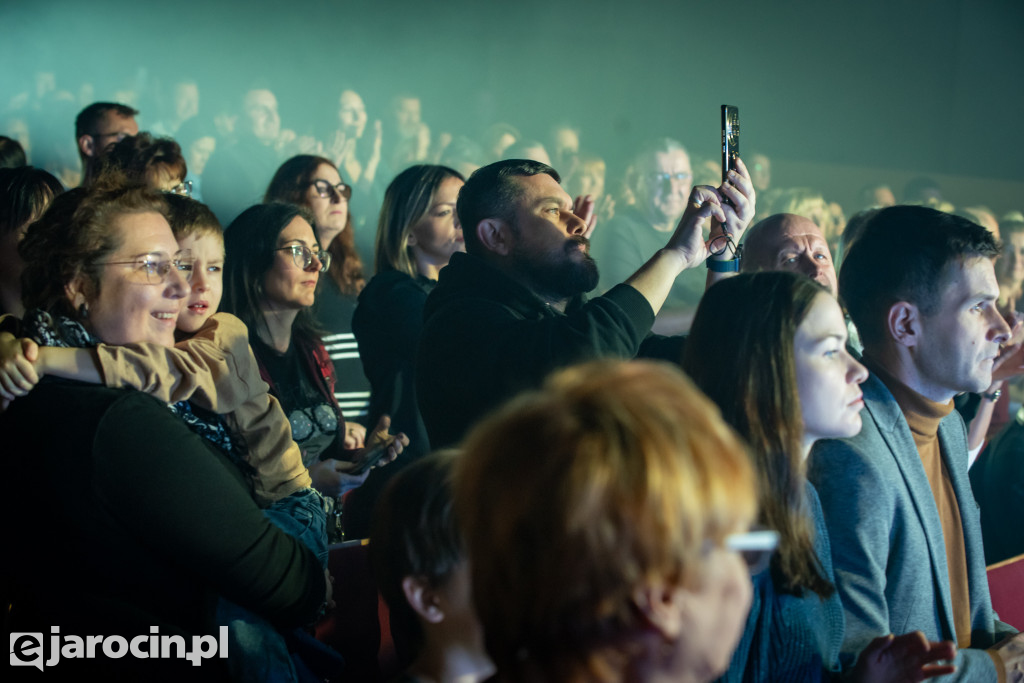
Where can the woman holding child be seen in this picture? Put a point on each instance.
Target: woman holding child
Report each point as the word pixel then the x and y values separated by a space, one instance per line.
pixel 156 520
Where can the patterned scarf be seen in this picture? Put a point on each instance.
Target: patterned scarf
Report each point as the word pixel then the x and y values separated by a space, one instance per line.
pixel 49 330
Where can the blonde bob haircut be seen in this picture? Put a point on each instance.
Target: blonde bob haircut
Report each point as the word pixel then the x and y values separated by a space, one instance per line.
pixel 615 477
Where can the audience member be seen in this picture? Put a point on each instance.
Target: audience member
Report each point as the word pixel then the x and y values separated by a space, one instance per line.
pixel 154 162
pixel 922 190
pixel 416 237
pixel 877 196
pixel 790 383
pixel 498 138
pixel 613 557
pixel 760 172
pixel 662 185
pixel 25 192
pixel 99 126
pixel 273 264
pixel 511 310
pixel 906 542
pixel 238 171
pixel 421 569
pixel 198 144
pixel 313 182
pixel 159 522
pixel 11 153
pixel 528 149
pixel 786 241
pixel 996 482
pixel 589 179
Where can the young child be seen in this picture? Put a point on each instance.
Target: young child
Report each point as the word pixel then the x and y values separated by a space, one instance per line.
pixel 420 568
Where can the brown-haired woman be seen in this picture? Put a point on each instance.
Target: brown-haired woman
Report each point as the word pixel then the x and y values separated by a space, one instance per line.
pixel 313 182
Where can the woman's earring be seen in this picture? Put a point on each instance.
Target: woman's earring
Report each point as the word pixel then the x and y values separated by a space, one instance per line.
pixel 83 311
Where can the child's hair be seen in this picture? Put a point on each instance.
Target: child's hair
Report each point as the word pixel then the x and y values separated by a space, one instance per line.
pixel 189 217
pixel 414 533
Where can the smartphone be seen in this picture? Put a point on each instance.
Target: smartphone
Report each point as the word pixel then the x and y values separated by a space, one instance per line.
pixel 730 140
pixel 373 456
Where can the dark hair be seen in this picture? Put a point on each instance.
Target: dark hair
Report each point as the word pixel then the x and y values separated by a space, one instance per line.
pixel 73 236
pixel 406 201
pixel 190 217
pixel 902 255
pixel 414 533
pixel 249 244
pixel 491 192
pixel 12 155
pixel 289 185
pixel 144 159
pixel 756 391
pixel 852 231
pixel 88 118
pixel 25 192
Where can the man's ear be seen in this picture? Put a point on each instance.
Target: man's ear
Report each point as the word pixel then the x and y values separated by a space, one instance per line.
pixel 495 235
pixel 87 145
pixel 423 599
pixel 663 607
pixel 904 323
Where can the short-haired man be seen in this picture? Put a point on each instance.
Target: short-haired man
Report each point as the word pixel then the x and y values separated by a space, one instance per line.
pixel 785 241
pixel 510 310
pixel 906 541
pixel 662 178
pixel 97 128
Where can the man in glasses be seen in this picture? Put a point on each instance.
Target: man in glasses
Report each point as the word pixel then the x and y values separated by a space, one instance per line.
pixel 97 128
pixel 511 309
pixel 661 184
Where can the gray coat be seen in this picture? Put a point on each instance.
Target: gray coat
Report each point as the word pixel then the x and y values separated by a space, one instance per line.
pixel 887 546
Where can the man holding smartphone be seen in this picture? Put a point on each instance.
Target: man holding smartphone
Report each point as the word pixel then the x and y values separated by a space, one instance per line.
pixel 511 309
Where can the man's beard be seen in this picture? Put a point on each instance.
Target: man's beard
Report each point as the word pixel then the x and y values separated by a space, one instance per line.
pixel 560 276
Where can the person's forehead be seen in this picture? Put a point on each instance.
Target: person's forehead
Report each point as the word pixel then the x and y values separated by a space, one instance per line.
pixel 966 279
pixel 800 230
pixel 351 100
pixel 671 160
pixel 537 187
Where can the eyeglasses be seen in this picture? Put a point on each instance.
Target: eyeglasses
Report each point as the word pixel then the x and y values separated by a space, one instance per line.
pixel 184 188
pixel 755 547
pixel 324 189
pixel 302 256
pixel 669 177
pixel 154 268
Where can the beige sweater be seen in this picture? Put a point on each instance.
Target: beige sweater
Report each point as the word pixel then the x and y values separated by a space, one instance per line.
pixel 216 370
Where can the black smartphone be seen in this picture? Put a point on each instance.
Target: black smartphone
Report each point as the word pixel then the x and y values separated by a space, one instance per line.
pixel 373 456
pixel 730 139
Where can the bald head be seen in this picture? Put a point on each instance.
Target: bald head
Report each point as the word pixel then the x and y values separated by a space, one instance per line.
pixel 786 241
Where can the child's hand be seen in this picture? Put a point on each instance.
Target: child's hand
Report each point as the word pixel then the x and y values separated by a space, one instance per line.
pixel 18 373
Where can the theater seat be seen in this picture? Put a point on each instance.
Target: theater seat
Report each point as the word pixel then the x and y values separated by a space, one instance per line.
pixel 354 627
pixel 1006 585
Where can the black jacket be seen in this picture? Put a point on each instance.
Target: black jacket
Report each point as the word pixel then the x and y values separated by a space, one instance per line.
pixel 487 338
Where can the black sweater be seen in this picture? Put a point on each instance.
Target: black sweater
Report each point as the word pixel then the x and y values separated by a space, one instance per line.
pixel 119 518
pixel 487 338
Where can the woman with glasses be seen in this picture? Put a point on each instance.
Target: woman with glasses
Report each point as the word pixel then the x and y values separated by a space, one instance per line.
pixel 601 517
pixel 314 183
pixel 274 262
pixel 155 520
pixel 417 234
pixel 778 369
